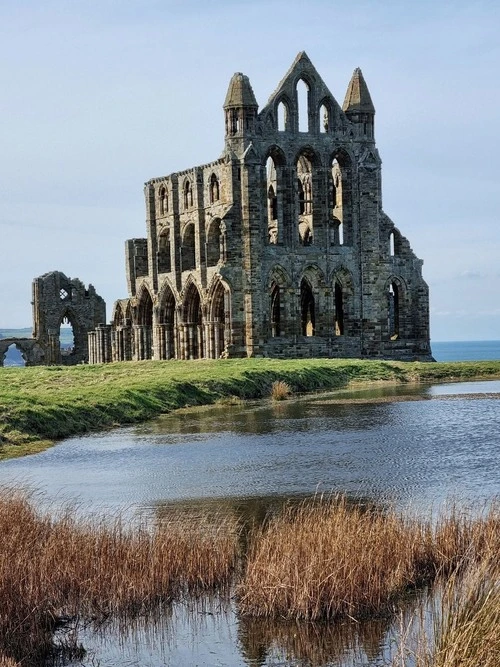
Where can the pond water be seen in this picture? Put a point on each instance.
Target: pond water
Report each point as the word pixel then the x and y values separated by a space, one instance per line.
pixel 412 447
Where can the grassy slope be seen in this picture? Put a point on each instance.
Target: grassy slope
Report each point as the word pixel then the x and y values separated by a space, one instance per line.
pixel 41 404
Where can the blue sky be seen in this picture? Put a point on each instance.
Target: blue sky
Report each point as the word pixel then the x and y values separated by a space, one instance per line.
pixel 100 96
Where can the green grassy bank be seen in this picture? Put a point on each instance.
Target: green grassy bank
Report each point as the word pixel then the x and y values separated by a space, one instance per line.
pixel 42 404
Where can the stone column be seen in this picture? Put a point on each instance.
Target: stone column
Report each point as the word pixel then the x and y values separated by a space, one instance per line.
pixel 92 347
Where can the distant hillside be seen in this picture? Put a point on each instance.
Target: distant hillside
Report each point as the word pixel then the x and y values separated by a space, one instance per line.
pixel 16 333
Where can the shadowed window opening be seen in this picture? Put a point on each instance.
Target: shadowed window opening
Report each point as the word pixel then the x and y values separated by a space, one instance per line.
pixel 193 324
pixel 214 189
pixel 164 256
pixel 188 195
pixel 213 246
pixel 339 310
pixel 307 309
pixel 393 314
pixel 163 197
pixel 188 255
pixel 275 311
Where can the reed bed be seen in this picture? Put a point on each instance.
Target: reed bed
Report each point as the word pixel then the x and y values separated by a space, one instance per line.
pixel 332 559
pixel 53 570
pixel 464 630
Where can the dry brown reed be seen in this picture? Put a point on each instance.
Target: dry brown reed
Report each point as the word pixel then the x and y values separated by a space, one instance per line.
pixel 465 631
pixel 280 390
pixel 59 568
pixel 333 559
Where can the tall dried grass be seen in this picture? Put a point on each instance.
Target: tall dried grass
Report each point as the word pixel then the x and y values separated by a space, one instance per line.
pixel 465 628
pixel 51 569
pixel 331 560
pixel 280 390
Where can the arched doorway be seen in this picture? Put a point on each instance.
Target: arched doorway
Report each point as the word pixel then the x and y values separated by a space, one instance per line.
pixel 167 339
pixel 218 325
pixel 307 309
pixel 193 344
pixel 143 330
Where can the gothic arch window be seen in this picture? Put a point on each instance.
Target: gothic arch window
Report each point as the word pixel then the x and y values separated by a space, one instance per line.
pixel 272 201
pixel 67 335
pixel 188 250
pixel 340 191
pixel 188 195
pixel 163 199
pixel 283 116
pixel 213 245
pixel 394 306
pixel 303 105
pixel 119 317
pixel 145 309
pixel 275 310
pixel 391 244
pixel 164 252
pixel 339 309
pixel 305 200
pixel 214 189
pixel 307 309
pixel 324 119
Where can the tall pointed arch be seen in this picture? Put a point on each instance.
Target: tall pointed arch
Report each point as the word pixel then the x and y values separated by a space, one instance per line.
pixel 192 319
pixel 341 195
pixel 307 309
pixel 166 328
pixel 219 319
pixel 306 163
pixel 278 285
pixel 275 187
pixel 343 302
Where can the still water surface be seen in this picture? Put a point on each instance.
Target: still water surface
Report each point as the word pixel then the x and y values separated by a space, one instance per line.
pixel 412 447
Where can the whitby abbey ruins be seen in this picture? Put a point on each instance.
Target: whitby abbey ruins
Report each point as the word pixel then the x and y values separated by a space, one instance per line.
pixel 278 248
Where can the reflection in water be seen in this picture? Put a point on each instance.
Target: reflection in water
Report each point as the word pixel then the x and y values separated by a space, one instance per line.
pixel 266 642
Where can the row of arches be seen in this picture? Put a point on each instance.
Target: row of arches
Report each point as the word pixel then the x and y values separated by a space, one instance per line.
pixel 309 193
pixel 313 308
pixel 163 197
pixel 211 254
pixel 189 327
pixel 297 115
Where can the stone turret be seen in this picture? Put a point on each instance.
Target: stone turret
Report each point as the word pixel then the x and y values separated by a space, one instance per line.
pixel 358 105
pixel 240 110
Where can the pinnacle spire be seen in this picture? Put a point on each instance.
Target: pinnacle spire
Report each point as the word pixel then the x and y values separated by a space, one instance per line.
pixel 239 92
pixel 357 98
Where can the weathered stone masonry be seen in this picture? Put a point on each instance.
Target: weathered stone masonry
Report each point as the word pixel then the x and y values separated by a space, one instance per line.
pixel 58 299
pixel 280 247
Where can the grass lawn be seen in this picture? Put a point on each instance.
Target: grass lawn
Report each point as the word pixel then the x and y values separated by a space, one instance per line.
pixel 41 404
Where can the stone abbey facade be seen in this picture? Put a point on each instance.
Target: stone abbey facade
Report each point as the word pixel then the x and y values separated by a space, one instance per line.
pixel 278 248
